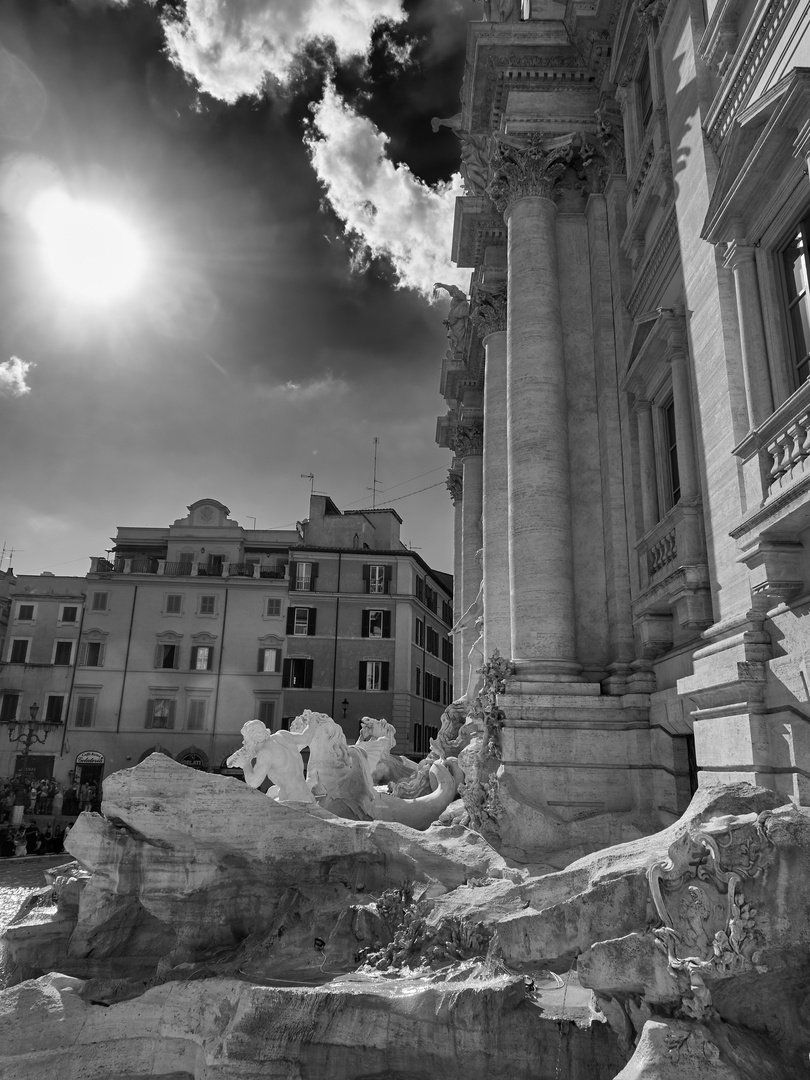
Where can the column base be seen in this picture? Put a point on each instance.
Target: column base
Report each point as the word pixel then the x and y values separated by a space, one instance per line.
pixel 577 773
pixel 547 671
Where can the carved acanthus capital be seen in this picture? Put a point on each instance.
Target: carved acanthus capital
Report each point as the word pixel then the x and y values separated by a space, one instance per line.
pixel 651 11
pixel 522 170
pixel 489 312
pixel 469 438
pixel 455 485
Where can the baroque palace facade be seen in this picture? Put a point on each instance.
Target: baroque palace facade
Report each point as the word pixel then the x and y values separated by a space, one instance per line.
pixel 629 409
pixel 186 632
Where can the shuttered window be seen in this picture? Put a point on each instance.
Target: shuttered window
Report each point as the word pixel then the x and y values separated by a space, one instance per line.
pixel 160 712
pixel 85 711
pixel 195 719
pixel 373 675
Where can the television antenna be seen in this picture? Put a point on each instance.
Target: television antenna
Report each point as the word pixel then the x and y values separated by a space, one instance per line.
pixel 375 483
pixel 311 477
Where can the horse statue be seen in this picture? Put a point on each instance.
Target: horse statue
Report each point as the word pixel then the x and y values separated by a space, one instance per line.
pixel 275 756
pixel 377 739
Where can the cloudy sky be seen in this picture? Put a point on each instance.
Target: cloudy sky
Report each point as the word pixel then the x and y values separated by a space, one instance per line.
pixel 277 162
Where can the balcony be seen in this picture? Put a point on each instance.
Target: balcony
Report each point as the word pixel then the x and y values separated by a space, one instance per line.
pixel 160 566
pixel 674 601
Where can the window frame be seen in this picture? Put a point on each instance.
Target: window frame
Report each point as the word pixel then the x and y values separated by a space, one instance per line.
pixel 201 602
pixel 62 621
pixel 80 719
pixel 19 640
pixel 96 604
pixel 268 600
pixel 195 656
pixel 5 696
pixel 83 658
pixel 800 302
pixel 152 702
pixel 262 667
pixel 290 663
pixel 70 642
pixel 18 618
pixel 48 711
pixel 170 598
pixel 191 705
pixel 373 670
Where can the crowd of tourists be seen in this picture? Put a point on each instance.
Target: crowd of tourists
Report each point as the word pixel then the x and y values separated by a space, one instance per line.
pixel 48 798
pixel 29 839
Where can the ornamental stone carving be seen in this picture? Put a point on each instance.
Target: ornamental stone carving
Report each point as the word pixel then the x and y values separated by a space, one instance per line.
pixel 534 167
pixel 456 321
pixel 475 154
pixel 524 170
pixel 454 485
pixel 610 134
pixel 489 312
pixel 469 438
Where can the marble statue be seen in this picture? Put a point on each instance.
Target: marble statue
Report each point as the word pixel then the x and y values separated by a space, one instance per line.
pixel 475 154
pixel 275 756
pixel 377 739
pixel 456 321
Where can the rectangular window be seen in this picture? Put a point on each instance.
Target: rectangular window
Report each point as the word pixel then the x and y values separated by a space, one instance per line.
pixel 8 707
pixel 174 604
pixel 373 675
pixel 167 656
pixel 91 654
pixel 273 608
pixel 297 672
pixel 160 713
pixel 671 455
pixel 266 712
pixel 63 652
pixel 25 613
pixel 376 624
pixel 796 261
pixel 447 650
pixel 53 709
pixel 195 718
pixel 444 691
pixel 68 614
pixel 202 657
pixel 301 621
pixel 418 682
pixel 376 579
pixel 447 613
pixel 431 598
pixel 420 589
pixel 645 94
pixel 305 575
pixel 19 651
pixel 208 605
pixel 432 641
pixel 99 601
pixel 419 633
pixel 269 660
pixel 85 711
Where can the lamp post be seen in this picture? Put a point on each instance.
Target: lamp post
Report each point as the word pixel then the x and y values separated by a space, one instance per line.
pixel 27 732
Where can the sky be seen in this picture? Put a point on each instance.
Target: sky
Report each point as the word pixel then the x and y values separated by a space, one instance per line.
pixel 275 160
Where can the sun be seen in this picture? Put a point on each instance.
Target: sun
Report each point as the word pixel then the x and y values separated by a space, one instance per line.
pixel 90 251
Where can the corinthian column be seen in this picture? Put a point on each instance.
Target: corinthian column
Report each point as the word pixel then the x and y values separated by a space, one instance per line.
pixel 469 447
pixel 455 487
pixel 489 317
pixel 540 555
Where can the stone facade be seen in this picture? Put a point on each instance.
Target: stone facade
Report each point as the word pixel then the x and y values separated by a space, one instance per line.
pixel 637 232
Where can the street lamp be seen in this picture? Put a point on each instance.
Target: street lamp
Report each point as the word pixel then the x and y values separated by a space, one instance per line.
pixel 27 732
pixel 344 705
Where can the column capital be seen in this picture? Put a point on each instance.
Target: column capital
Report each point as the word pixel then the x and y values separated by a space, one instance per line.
pixel 522 170
pixel 489 311
pixel 455 485
pixel 469 439
pixel 642 405
pixel 738 252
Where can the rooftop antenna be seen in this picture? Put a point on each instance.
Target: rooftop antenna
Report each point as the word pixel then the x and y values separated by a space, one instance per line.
pixel 311 477
pixel 375 482
pixel 250 517
pixel 10 554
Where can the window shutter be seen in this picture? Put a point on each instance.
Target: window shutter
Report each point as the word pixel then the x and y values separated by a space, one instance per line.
pixel 101 650
pixel 158 654
pixel 364 627
pixel 193 663
pixel 308 672
pixel 292 578
pixel 384 675
pixel 386 624
pixel 311 620
pixel 285 676
pixel 170 722
pixel 361 684
pixel 149 712
pixel 290 620
pixel 260 661
pixel 277 665
pixel 366 576
pixel 210 663
pixel 313 577
pixel 388 571
pixel 82 658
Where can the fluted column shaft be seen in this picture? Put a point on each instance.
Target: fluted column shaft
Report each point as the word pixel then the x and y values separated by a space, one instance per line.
pixel 758 392
pixel 455 487
pixel 646 453
pixel 497 606
pixel 540 542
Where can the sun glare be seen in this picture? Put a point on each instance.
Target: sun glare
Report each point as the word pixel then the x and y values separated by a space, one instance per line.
pixel 90 251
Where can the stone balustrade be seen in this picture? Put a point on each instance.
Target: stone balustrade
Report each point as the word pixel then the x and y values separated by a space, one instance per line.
pixel 776 454
pixel 662 553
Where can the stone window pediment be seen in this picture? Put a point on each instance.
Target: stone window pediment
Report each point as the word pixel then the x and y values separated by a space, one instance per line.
pixel 169 637
pixel 764 161
pixel 654 335
pixel 271 641
pixel 204 638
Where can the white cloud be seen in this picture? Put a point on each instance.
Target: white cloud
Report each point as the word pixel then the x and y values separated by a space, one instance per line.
pixel 385 208
pixel 308 390
pixel 231 46
pixel 12 377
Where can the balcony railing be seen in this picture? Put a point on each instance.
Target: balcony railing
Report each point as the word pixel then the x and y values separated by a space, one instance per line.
pixel 177 569
pixel 156 565
pixel 777 453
